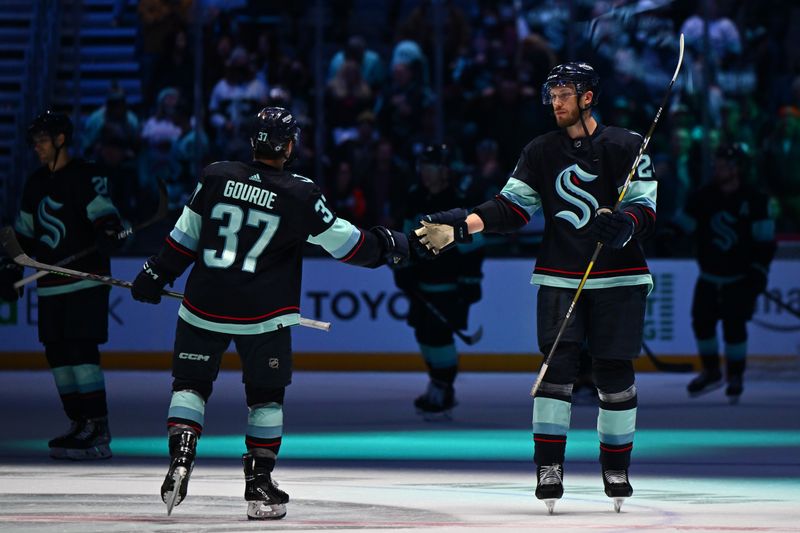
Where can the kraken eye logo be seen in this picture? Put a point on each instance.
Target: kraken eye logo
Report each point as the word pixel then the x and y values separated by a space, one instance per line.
pixel 53 227
pixel 569 191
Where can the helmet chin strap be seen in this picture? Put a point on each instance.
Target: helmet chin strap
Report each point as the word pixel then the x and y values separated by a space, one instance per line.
pixel 586 129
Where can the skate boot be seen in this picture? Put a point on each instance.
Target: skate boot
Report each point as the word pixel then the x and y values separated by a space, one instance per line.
pixel 550 484
pixel 265 501
pixel 617 486
pixel 56 445
pixel 707 381
pixel 182 451
pixel 90 442
pixel 437 402
pixel 734 389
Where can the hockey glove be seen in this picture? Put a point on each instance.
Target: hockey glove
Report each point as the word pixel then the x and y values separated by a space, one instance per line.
pixel 106 236
pixel 10 273
pixel 756 280
pixel 457 218
pixel 612 228
pixel 441 231
pixel 395 245
pixel 150 282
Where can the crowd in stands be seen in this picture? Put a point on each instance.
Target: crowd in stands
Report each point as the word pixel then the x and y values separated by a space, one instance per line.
pixel 379 96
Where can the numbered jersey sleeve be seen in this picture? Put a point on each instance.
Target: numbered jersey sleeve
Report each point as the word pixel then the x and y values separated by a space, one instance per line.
pixel 639 201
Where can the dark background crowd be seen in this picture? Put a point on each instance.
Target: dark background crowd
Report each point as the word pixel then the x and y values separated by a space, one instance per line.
pixel 372 83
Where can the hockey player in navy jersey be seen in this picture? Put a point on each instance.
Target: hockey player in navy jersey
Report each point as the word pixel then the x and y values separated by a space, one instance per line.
pixel 65 210
pixel 571 174
pixel 735 241
pixel 243 232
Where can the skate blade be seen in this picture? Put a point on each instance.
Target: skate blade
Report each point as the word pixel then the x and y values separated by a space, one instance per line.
pixel 442 416
pixel 102 451
pixel 265 511
pixel 551 504
pixel 710 388
pixel 618 504
pixel 172 497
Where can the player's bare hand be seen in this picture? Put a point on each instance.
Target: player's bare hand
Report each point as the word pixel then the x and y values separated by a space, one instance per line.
pixel 436 238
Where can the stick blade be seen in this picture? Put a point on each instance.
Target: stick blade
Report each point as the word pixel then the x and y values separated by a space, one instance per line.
pixel 475 337
pixel 10 244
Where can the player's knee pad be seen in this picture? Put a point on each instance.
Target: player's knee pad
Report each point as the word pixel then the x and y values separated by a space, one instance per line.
pixel 263 395
pixel 202 388
pixel 734 331
pixel 612 375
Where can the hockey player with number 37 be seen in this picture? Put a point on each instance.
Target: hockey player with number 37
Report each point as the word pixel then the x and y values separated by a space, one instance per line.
pixel 572 174
pixel 243 229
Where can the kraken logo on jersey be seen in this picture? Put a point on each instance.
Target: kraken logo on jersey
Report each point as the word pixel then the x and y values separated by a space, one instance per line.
pixel 724 234
pixel 53 227
pixel 572 194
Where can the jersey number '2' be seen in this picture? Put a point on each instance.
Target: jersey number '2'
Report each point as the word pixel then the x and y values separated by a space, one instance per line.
pixel 230 233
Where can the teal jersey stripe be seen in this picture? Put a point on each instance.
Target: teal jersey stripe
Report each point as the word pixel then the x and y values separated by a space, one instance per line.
pixel 24 224
pixel 616 427
pixel 64 289
pixel 291 319
pixel 601 283
pixel 339 239
pixel 640 192
pixel 551 416
pixel 522 195
pixel 99 207
pixel 187 229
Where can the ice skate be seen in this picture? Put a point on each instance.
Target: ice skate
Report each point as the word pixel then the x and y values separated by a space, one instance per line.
pixel 617 486
pixel 87 440
pixel 265 501
pixel 704 383
pixel 734 389
pixel 437 402
pixel 182 452
pixel 550 484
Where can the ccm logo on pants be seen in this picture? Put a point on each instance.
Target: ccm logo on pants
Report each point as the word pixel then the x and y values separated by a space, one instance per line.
pixel 193 356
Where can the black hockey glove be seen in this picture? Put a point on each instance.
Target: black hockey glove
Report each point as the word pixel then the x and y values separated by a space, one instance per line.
pixel 756 280
pixel 395 245
pixel 612 228
pixel 10 273
pixel 457 218
pixel 106 236
pixel 149 283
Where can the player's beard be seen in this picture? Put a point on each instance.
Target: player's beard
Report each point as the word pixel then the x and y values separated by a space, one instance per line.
pixel 570 118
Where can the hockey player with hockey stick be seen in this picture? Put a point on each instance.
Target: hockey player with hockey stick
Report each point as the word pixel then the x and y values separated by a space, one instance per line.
pixel 243 230
pixel 65 209
pixel 735 240
pixel 450 284
pixel 571 174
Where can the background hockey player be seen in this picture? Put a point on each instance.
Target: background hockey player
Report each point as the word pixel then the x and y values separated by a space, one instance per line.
pixel 243 231
pixel 735 238
pixel 569 174
pixel 66 209
pixel 450 284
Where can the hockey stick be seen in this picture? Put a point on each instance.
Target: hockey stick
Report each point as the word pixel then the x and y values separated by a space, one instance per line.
pixel 161 212
pixel 780 303
pixel 599 246
pixel 11 246
pixel 468 339
pixel 664 366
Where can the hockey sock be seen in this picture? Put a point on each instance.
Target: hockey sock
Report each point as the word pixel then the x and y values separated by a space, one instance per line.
pixel 67 391
pixel 186 411
pixel 735 351
pixel 442 361
pixel 552 410
pixel 265 431
pixel 709 353
pixel 616 425
pixel 91 390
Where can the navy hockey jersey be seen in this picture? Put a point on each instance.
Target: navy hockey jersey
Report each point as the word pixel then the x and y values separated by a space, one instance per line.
pixel 60 215
pixel 244 229
pixel 569 179
pixel 734 232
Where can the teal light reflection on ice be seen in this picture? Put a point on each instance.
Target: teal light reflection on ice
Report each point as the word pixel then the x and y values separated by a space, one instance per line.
pixel 458 445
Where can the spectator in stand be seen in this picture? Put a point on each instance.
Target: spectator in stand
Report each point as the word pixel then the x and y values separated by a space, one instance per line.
pixel 372 68
pixel 346 196
pixel 234 100
pixel 115 111
pixel 190 151
pixel 418 27
pixel 113 155
pixel 386 186
pixel 347 95
pixel 175 67
pixel 159 134
pixel 400 108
